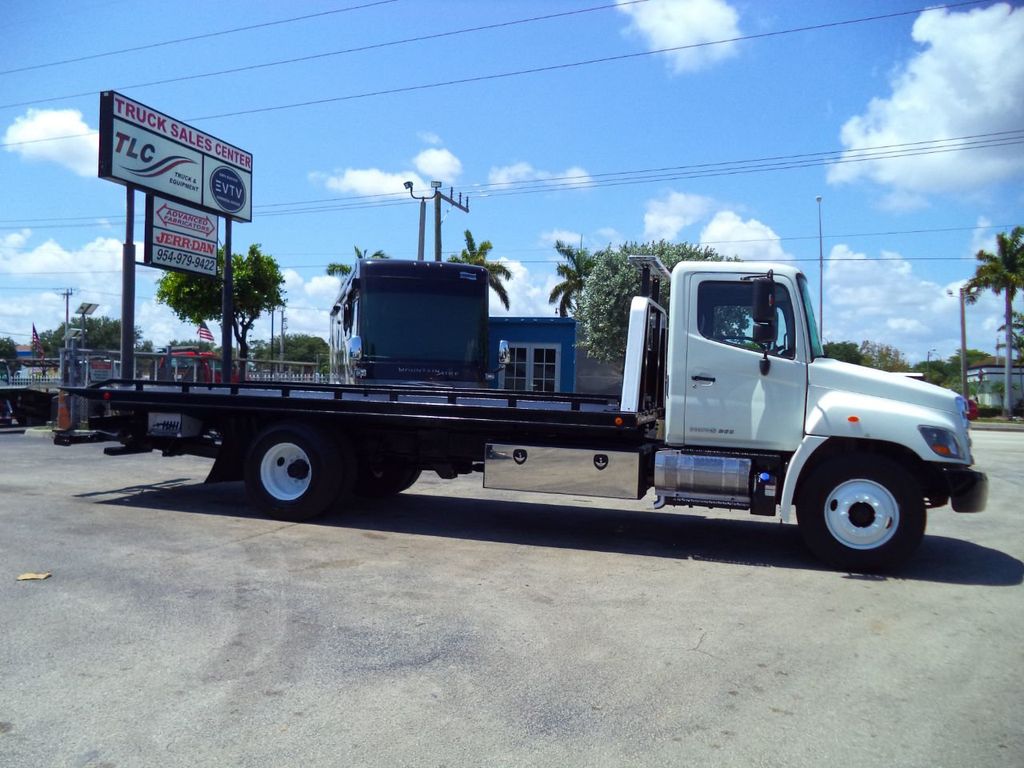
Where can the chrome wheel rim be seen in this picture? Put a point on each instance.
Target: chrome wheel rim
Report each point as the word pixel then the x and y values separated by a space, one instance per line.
pixel 862 514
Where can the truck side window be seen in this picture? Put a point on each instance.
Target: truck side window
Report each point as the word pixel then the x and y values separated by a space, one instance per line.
pixel 723 315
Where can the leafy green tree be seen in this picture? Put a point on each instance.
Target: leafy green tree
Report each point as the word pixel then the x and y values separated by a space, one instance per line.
pixel 299 347
pixel 602 313
pixel 1001 272
pixel 884 357
pixel 497 273
pixel 8 348
pixel 257 289
pixel 100 333
pixel 847 351
pixel 574 270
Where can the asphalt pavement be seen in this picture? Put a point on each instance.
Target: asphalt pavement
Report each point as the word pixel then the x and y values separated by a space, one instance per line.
pixel 453 626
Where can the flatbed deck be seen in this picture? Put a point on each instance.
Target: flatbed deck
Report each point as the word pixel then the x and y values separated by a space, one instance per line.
pixel 395 403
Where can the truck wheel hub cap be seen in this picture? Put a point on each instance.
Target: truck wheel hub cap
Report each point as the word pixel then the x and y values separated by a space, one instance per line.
pixel 285 471
pixel 862 514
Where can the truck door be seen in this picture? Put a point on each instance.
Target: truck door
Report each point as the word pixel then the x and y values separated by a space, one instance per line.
pixel 728 401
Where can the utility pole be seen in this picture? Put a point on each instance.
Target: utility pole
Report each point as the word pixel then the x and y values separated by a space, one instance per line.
pixel 284 326
pixel 821 278
pixel 67 294
pixel 438 197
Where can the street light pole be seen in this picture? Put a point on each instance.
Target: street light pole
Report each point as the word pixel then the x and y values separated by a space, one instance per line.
pixel 821 276
pixel 963 339
pixel 437 196
pixel 928 365
pixel 963 343
pixel 423 215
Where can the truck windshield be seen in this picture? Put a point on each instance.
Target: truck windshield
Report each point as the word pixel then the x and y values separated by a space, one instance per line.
pixel 403 323
pixel 812 324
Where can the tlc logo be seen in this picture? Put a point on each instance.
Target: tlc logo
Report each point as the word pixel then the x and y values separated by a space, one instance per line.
pixel 144 153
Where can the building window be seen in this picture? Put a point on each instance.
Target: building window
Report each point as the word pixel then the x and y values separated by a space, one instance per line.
pixel 533 368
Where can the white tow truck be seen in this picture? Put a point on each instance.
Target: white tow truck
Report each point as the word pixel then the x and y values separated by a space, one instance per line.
pixel 731 404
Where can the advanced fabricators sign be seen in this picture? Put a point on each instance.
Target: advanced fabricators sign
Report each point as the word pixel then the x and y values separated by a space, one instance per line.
pixel 147 149
pixel 180 237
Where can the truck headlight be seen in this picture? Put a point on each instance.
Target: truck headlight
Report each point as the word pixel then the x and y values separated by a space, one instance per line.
pixel 942 442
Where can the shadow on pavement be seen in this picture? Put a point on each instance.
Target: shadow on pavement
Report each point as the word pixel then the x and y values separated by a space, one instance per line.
pixel 682 536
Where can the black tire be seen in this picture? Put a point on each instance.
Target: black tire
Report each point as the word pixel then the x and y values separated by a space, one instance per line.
pixel 861 513
pixel 293 472
pixel 384 481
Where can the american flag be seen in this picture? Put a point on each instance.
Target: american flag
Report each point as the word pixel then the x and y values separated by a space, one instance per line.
pixel 204 332
pixel 37 345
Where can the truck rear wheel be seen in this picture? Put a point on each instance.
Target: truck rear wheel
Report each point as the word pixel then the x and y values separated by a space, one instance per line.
pixel 861 513
pixel 381 482
pixel 294 473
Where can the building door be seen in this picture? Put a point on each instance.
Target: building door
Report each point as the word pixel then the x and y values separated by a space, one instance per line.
pixel 533 368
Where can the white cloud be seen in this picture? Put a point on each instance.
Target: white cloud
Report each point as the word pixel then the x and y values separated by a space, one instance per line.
pixel 439 165
pixel 883 299
pixel 367 181
pixel 527 293
pixel 38 135
pixel 573 176
pixel 676 23
pixel 665 218
pixel 967 79
pixel 565 235
pixel 749 240
pixel 429 137
pixel 91 264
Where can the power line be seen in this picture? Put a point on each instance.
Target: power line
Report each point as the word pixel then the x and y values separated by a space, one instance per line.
pixel 315 56
pixel 576 64
pixel 608 179
pixel 534 70
pixel 204 36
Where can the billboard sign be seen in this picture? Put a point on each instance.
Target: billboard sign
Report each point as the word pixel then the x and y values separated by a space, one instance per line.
pixel 148 150
pixel 180 237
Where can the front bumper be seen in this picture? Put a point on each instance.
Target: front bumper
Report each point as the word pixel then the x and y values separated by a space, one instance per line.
pixel 968 489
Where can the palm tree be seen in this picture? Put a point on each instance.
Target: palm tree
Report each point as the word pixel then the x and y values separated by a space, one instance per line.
pixel 574 272
pixel 1003 273
pixel 337 269
pixel 497 273
pixel 361 253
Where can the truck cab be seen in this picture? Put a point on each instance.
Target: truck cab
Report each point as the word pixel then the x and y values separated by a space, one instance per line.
pixel 757 417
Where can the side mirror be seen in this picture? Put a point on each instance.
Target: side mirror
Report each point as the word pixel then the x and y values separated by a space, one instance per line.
pixel 763 302
pixel 765 333
pixel 504 354
pixel 355 348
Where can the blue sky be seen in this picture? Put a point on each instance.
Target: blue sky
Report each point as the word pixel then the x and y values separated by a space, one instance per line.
pixel 573 126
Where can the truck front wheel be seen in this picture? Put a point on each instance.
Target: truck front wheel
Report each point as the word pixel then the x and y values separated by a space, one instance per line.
pixel 293 472
pixel 861 513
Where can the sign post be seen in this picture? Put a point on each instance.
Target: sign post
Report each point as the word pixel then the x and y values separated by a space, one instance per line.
pixel 128 289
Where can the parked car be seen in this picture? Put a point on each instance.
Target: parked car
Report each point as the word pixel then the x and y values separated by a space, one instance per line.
pixel 972 409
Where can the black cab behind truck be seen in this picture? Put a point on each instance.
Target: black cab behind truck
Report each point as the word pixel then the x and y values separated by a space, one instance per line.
pixel 730 405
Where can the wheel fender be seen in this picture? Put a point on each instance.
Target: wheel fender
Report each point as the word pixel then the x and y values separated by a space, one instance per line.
pixel 807 447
